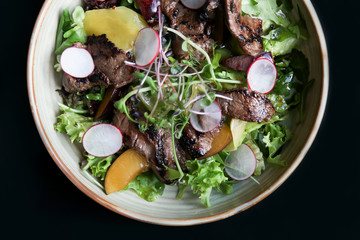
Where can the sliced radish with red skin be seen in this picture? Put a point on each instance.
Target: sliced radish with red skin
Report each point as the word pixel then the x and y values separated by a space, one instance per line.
pixel 147 47
pixel 208 120
pixel 77 62
pixel 241 164
pixel 262 75
pixel 193 4
pixel 102 140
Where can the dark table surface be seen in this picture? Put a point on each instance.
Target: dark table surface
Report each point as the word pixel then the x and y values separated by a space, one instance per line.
pixel 320 200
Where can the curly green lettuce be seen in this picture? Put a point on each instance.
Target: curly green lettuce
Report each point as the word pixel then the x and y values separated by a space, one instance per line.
pixel 72 123
pixel 147 186
pixel 98 165
pixel 203 176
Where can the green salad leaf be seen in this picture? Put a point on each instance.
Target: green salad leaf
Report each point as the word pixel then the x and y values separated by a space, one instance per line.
pixel 268 10
pixel 281 33
pixel 70 29
pixel 147 186
pixel 203 176
pixel 73 124
pixel 98 165
pixel 270 138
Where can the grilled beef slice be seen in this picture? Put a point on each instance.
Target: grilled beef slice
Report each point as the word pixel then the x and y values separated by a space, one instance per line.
pixel 164 153
pixel 110 60
pixel 154 144
pixel 96 78
pixel 133 138
pixel 190 23
pixel 247 105
pixel 239 63
pixel 245 29
pixel 197 144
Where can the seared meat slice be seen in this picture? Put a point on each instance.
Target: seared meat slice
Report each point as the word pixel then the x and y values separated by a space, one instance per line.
pixel 210 9
pixel 240 63
pixel 164 153
pixel 247 105
pixel 73 85
pixel 154 144
pixel 203 41
pixel 191 24
pixel 99 4
pixel 197 144
pixel 110 60
pixel 185 20
pixel 133 138
pixel 245 29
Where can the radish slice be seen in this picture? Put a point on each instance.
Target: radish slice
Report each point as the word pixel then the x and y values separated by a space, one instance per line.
pixel 262 75
pixel 205 119
pixel 193 4
pixel 241 164
pixel 77 62
pixel 147 46
pixel 102 140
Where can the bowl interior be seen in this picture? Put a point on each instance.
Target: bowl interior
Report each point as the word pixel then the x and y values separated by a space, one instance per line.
pixel 43 81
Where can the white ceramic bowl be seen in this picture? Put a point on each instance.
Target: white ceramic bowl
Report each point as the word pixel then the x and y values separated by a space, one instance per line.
pixel 43 81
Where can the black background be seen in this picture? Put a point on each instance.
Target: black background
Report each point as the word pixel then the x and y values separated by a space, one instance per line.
pixel 319 201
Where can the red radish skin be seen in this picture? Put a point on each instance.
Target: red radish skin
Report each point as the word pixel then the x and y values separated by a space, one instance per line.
pixel 99 140
pixel 254 77
pixel 77 62
pixel 247 155
pixel 193 120
pixel 147 39
pixel 193 4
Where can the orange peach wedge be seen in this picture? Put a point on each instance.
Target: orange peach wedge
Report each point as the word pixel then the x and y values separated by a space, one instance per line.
pixel 124 169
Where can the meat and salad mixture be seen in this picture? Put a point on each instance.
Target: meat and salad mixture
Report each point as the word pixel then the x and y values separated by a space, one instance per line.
pixel 193 94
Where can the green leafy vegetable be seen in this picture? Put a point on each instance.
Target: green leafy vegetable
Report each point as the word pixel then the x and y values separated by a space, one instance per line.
pixel 70 29
pixel 281 34
pixel 97 96
pixel 203 176
pixel 98 165
pixel 268 10
pixel 73 124
pixel 147 186
pixel 270 138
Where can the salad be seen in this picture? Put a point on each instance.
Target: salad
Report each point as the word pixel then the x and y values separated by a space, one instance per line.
pixel 194 94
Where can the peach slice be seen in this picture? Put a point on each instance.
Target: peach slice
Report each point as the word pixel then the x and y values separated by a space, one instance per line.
pixel 220 142
pixel 124 169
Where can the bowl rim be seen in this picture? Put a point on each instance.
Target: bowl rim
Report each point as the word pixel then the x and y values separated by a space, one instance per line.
pixel 178 222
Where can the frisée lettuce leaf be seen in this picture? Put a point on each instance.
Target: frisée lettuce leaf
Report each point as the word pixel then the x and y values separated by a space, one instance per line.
pixel 147 186
pixel 203 176
pixel 72 123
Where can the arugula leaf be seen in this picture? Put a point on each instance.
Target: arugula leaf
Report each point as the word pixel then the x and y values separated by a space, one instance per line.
pixel 147 186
